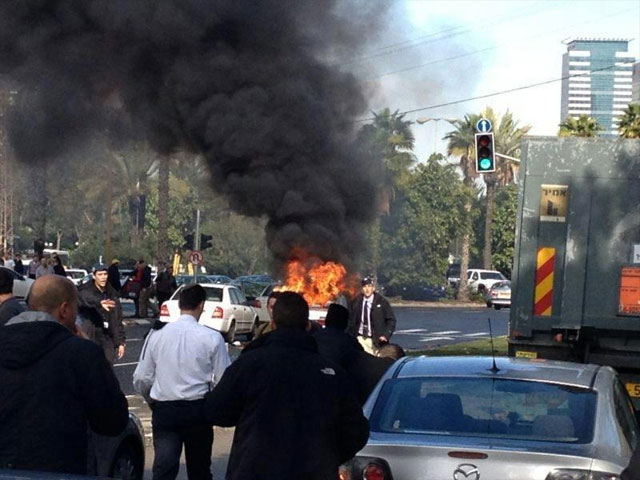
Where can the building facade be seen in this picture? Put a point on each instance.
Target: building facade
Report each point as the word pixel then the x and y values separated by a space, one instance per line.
pixel 636 83
pixel 597 80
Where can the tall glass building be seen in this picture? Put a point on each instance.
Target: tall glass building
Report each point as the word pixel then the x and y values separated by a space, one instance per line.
pixel 597 80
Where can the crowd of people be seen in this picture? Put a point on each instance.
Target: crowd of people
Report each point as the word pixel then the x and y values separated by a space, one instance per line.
pixel 294 395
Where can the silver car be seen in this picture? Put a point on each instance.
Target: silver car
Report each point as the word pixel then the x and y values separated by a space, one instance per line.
pixel 443 418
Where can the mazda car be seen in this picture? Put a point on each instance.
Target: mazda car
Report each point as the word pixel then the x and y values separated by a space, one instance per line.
pixel 472 418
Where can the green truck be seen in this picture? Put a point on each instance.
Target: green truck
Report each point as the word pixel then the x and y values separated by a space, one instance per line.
pixel 576 275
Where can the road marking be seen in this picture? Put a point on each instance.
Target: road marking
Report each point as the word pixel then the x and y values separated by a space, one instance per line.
pixel 446 332
pixel 433 339
pixel 479 334
pixel 411 330
pixel 125 364
pixel 134 340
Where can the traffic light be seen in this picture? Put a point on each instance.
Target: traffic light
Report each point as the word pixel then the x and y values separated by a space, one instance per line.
pixel 205 241
pixel 485 155
pixel 188 242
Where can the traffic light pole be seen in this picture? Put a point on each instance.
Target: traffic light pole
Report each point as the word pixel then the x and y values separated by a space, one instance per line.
pixel 196 242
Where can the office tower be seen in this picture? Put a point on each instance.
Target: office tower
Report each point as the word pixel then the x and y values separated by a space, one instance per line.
pixel 597 80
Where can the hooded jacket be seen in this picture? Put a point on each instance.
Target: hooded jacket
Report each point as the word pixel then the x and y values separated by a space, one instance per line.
pixel 52 384
pixel 296 415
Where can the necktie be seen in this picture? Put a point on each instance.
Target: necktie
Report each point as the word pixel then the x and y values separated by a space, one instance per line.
pixel 366 324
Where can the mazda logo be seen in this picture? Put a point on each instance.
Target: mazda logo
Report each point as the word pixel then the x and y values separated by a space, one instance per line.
pixel 466 471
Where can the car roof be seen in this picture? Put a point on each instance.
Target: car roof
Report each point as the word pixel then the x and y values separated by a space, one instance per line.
pixel 482 270
pixel 567 373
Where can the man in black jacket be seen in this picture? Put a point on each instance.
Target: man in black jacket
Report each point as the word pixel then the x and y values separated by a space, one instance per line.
pixel 334 343
pixel 101 314
pixel 371 320
pixel 52 383
pixel 295 413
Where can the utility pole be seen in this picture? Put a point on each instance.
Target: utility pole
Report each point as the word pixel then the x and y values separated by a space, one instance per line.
pixel 6 175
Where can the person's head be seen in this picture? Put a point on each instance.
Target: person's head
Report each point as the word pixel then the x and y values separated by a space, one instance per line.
pixel 191 300
pixel 170 269
pixel 57 260
pixel 6 282
pixel 115 261
pixel 100 275
pixel 291 311
pixel 337 317
pixel 271 301
pixel 43 261
pixel 391 350
pixel 18 256
pixel 141 263
pixel 367 286
pixel 57 296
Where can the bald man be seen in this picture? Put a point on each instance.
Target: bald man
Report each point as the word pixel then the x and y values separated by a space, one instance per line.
pixel 52 383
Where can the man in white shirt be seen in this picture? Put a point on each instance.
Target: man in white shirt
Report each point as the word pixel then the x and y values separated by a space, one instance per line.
pixel 178 365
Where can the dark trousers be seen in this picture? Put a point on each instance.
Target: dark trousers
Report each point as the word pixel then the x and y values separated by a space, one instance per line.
pixel 175 424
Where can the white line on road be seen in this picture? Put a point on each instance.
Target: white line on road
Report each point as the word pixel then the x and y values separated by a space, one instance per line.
pixel 447 332
pixel 125 364
pixel 411 331
pixel 479 334
pixel 433 339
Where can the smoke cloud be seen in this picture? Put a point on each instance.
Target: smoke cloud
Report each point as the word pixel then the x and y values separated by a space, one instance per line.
pixel 249 84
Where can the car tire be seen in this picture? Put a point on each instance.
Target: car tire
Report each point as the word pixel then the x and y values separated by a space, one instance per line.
pixel 127 463
pixel 497 307
pixel 254 327
pixel 481 288
pixel 488 304
pixel 230 336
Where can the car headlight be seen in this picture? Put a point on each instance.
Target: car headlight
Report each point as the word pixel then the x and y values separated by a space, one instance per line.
pixel 576 474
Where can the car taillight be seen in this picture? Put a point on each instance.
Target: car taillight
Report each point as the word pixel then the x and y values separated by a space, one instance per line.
pixel 578 474
pixel 217 313
pixel 164 310
pixel 373 472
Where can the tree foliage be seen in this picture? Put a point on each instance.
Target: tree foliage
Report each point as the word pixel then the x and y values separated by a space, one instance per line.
pixel 504 228
pixel 629 124
pixel 583 126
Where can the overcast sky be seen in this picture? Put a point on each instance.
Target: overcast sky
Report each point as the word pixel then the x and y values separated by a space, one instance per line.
pixel 435 52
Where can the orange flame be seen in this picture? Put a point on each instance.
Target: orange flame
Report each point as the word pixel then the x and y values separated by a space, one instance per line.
pixel 318 282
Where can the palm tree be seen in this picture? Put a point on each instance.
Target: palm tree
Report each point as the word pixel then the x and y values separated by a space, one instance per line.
pixel 394 137
pixel 583 126
pixel 629 124
pixel 461 142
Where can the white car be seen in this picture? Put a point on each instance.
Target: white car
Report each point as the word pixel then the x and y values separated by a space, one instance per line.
pixel 21 284
pixel 226 310
pixel 482 280
pixel 76 275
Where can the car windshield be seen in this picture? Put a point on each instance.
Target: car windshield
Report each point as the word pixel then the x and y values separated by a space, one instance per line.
pixel 501 408
pixel 75 275
pixel 491 276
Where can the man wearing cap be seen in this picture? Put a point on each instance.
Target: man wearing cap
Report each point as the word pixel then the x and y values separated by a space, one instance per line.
pixel 9 305
pixel 101 314
pixel 371 319
pixel 113 275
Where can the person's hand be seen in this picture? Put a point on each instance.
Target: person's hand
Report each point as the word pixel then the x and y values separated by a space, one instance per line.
pixel 383 339
pixel 107 304
pixel 121 350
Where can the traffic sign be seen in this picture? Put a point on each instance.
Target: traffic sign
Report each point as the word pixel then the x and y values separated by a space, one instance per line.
pixel 483 126
pixel 196 257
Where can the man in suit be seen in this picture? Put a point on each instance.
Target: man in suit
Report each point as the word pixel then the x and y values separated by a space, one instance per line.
pixel 371 318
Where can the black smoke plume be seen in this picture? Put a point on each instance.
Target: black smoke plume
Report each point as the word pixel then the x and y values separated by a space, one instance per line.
pixel 247 83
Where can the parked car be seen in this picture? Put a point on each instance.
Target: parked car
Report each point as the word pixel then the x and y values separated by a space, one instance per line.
pixel 226 310
pixel 481 280
pixel 186 279
pixel 453 275
pixel 499 295
pixel 21 284
pixel 221 279
pixel 76 275
pixel 461 418
pixel 119 457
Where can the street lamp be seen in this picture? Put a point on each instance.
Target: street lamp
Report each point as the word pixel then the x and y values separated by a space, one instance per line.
pixel 423 120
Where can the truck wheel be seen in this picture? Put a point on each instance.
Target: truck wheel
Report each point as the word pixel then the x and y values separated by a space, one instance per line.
pixel 488 304
pixel 481 289
pixel 497 307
